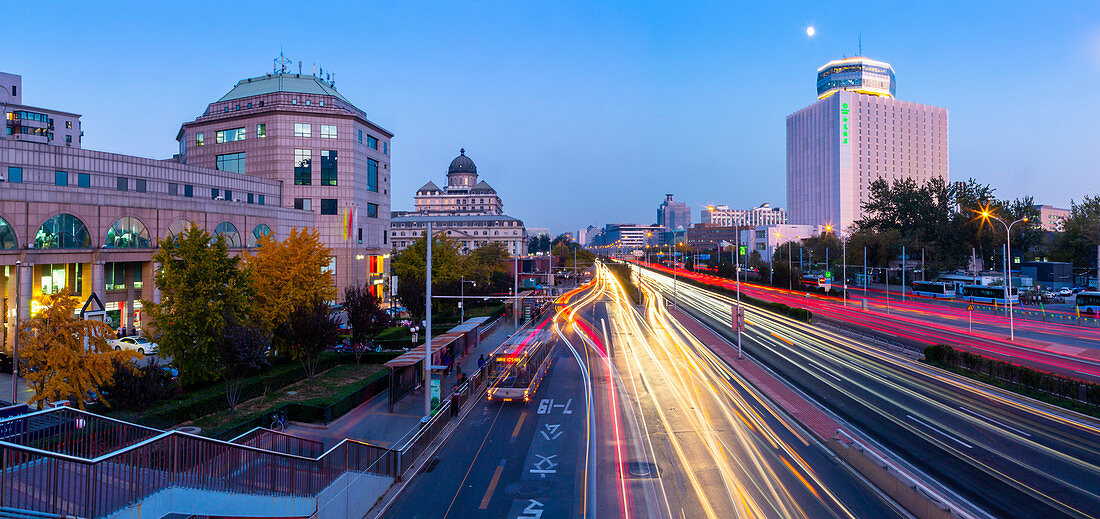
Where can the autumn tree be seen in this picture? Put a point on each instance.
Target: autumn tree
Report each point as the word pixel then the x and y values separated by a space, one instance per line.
pixel 201 289
pixel 310 330
pixel 288 273
pixel 64 357
pixel 365 316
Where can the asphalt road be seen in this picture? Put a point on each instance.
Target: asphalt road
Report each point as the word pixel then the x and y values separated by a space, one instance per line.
pixel 1010 456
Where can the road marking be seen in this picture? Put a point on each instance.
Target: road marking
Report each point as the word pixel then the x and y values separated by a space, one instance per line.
pixel 551 432
pixel 515 432
pixel 1009 427
pixel 782 339
pixel 533 510
pixel 926 424
pixel 492 485
pixel 545 465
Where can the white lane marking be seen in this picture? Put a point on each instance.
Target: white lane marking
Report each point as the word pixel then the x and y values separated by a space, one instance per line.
pixel 589 451
pixel 986 418
pixel 926 424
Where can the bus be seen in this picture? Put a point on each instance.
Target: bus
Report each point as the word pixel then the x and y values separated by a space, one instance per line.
pixel 518 367
pixel 989 294
pixel 818 282
pixel 1088 303
pixel 935 290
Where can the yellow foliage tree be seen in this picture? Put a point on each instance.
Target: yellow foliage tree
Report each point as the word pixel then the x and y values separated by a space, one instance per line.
pixel 289 273
pixel 64 357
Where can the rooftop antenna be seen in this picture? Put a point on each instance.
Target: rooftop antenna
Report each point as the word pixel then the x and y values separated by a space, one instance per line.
pixel 861 43
pixel 299 67
pixel 281 62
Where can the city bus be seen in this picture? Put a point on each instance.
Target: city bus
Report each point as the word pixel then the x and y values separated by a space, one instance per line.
pixel 935 290
pixel 989 294
pixel 518 367
pixel 1088 303
pixel 818 282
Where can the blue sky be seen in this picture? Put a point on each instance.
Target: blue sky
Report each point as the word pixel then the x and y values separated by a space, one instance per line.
pixel 587 113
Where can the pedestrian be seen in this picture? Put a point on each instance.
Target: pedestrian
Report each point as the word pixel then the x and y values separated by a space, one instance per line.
pixel 455 397
pixel 481 361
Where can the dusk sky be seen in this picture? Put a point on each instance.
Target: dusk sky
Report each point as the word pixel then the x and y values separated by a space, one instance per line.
pixel 582 113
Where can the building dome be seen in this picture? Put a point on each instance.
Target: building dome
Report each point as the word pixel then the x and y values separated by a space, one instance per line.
pixel 462 164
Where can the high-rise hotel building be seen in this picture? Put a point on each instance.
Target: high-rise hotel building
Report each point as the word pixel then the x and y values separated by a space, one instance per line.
pixel 855 133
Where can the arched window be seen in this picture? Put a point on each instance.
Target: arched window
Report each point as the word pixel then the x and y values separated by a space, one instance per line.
pixel 63 231
pixel 7 236
pixel 127 233
pixel 178 227
pixel 232 237
pixel 258 232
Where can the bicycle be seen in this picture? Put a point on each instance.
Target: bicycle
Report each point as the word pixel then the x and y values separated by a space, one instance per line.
pixel 278 420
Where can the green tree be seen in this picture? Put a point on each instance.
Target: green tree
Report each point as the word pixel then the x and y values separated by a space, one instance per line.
pixel 64 357
pixel 1081 233
pixel 288 272
pixel 409 267
pixel 540 243
pixel 311 329
pixel 486 266
pixel 201 289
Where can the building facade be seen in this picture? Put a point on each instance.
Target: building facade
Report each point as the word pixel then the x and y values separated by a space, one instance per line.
pixel 90 221
pixel 722 215
pixel 673 215
pixel 331 160
pixel 707 236
pixel 855 134
pixel 1052 219
pixel 766 238
pixel 468 210
pixel 33 124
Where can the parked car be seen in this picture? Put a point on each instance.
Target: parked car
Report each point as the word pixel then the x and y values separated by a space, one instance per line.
pixel 1065 292
pixel 135 342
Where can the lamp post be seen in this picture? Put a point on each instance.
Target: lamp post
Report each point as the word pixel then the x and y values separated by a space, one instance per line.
pixel 428 324
pixel 985 214
pixel 15 342
pixel 462 296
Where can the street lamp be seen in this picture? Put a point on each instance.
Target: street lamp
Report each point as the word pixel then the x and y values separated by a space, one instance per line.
pixel 462 296
pixel 987 215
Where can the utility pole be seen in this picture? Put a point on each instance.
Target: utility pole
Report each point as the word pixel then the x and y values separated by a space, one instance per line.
pixel 428 326
pixel 15 343
pixel 790 266
pixel 903 272
pixel 865 278
pixel 515 289
pixel 844 268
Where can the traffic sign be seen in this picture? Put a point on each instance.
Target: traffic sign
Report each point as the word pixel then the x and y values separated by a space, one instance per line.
pixel 737 316
pixel 743 249
pixel 828 275
pixel 970 308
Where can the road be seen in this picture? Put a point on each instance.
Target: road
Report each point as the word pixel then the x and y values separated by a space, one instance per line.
pixel 670 432
pixel 1010 456
pixel 924 324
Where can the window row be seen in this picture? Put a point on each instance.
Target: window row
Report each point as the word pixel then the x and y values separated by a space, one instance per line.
pixel 329 206
pixel 65 231
pixel 328 131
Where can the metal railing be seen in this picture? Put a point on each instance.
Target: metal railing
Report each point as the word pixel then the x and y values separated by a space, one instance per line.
pixel 68 462
pixel 276 441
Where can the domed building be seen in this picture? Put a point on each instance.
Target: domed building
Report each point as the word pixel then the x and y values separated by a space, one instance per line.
pixel 467 209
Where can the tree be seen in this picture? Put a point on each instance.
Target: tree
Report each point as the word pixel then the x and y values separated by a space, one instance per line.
pixel 1081 232
pixel 486 266
pixel 137 388
pixel 287 273
pixel 64 357
pixel 365 316
pixel 540 243
pixel 310 330
pixel 242 351
pixel 202 289
pixel 409 267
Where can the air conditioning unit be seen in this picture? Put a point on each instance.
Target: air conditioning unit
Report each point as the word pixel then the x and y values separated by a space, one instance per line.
pixel 238 200
pixel 3 177
pixel 220 197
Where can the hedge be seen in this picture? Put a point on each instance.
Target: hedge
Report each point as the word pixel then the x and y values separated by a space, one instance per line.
pixel 211 399
pixel 1013 374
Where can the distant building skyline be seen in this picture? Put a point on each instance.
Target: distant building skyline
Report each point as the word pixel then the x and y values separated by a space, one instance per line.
pixel 763 214
pixel 673 215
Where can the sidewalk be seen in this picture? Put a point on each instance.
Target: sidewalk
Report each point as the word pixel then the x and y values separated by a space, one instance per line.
pixel 25 392
pixel 372 421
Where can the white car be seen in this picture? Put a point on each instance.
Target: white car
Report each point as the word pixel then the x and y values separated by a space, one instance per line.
pixel 1065 292
pixel 137 343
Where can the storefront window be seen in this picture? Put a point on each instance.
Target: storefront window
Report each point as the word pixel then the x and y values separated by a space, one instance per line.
pixel 63 231
pixel 127 233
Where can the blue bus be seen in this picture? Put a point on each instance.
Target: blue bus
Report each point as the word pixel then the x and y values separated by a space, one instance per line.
pixel 989 294
pixel 934 290
pixel 1088 303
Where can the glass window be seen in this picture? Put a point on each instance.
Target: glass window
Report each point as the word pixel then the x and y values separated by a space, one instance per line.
pixel 250 199
pixel 260 199
pixel 7 236
pixel 361 235
pixel 258 232
pixel 53 277
pixel 214 193
pixel 303 167
pixel 60 178
pixel 173 189
pixel 231 162
pixel 328 206
pixel 188 191
pixel 372 142
pixel 231 135
pixel 372 175
pixel 199 140
pixel 139 185
pixel 386 148
pixel 360 136
pixel 68 139
pixel 83 180
pixel 305 204
pixel 229 231
pixel 15 174
pixel 328 131
pixel 228 195
pixel 122 183
pixel 178 227
pixel 127 233
pixel 302 130
pixel 372 210
pixel 328 167
pixel 63 231
pixel 261 131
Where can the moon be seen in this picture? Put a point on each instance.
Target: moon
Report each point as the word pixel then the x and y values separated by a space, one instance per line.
pixel 810 31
